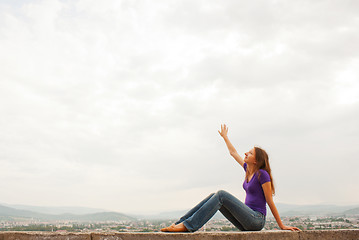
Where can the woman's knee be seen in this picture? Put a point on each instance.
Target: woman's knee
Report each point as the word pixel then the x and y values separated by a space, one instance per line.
pixel 222 193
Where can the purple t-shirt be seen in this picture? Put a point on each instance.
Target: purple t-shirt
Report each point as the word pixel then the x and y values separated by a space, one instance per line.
pixel 255 198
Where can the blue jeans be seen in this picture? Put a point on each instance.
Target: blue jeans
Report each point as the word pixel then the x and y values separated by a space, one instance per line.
pixel 243 217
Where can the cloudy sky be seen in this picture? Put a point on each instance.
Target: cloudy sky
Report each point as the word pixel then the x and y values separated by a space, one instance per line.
pixel 117 104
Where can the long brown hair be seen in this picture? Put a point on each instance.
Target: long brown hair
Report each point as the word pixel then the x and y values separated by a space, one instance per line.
pixel 262 160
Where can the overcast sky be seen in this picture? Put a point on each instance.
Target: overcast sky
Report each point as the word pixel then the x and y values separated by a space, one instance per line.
pixel 117 104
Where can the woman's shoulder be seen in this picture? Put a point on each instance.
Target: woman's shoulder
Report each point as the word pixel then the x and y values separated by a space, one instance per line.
pixel 263 171
pixel 264 176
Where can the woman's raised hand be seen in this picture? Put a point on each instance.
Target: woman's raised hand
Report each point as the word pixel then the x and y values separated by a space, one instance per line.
pixel 224 130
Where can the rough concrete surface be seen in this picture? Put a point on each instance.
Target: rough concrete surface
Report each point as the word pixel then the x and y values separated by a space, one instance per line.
pixel 262 235
pixel 275 235
pixel 43 236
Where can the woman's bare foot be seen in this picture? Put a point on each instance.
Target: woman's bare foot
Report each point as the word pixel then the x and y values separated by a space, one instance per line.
pixel 166 228
pixel 175 228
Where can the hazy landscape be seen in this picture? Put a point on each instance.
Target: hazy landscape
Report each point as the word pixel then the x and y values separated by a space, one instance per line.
pixel 10 212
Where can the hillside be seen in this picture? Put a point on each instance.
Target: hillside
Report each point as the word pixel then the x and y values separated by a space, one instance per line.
pixel 311 210
pixel 285 210
pixel 8 213
pixel 55 210
pixel 353 211
pixel 12 214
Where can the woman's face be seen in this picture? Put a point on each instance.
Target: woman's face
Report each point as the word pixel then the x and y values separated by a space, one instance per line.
pixel 250 157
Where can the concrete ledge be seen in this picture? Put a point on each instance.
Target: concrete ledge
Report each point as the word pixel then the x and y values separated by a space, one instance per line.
pixel 43 236
pixel 262 235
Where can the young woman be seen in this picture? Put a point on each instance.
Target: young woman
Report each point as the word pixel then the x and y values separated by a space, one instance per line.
pixel 248 216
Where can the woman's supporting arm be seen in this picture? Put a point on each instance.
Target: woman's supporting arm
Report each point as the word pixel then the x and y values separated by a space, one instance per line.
pixel 232 150
pixel 267 189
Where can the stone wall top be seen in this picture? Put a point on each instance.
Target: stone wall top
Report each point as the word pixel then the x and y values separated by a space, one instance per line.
pixel 262 235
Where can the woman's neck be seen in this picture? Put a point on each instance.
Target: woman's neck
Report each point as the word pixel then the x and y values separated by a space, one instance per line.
pixel 251 168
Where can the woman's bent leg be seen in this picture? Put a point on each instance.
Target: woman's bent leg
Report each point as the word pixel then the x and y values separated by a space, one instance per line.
pixel 237 212
pixel 246 218
pixel 231 218
pixel 195 209
pixel 203 214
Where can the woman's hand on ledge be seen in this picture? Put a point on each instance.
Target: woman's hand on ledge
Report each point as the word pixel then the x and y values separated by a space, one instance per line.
pixel 290 228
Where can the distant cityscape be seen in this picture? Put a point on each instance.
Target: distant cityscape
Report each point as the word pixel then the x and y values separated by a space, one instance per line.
pixel 214 225
pixel 12 219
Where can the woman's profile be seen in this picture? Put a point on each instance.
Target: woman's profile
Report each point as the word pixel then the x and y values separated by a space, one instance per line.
pixel 247 216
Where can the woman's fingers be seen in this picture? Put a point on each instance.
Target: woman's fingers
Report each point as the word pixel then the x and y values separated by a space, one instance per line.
pixel 224 130
pixel 292 228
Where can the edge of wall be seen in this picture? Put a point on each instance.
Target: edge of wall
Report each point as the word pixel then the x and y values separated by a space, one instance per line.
pixel 350 234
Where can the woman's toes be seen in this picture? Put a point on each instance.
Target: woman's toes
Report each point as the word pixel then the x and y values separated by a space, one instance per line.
pixel 177 228
pixel 166 229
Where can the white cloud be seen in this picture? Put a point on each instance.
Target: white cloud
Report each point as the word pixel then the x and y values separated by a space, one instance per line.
pixel 119 102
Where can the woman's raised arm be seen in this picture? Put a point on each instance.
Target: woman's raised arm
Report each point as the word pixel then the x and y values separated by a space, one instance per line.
pixel 232 150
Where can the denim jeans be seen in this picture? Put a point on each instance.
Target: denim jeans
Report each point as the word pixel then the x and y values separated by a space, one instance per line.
pixel 239 214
